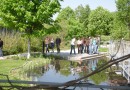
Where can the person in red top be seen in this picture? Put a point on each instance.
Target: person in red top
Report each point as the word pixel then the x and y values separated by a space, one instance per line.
pixel 47 44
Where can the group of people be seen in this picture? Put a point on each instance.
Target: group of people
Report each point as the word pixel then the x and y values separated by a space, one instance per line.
pixel 49 43
pixel 85 45
pixel 88 45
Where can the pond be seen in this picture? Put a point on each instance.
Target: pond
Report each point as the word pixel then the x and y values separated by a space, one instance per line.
pixel 61 71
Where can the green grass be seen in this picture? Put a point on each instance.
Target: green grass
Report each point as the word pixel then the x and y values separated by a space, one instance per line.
pixel 7 65
pixel 103 49
pixel 11 66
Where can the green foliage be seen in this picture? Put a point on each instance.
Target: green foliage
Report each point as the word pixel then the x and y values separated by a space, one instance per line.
pixel 123 7
pixel 100 22
pixel 64 68
pixel 101 76
pixel 72 21
pixel 75 29
pixel 66 14
pixel 14 43
pixel 28 16
pixel 63 19
pixel 82 14
pixel 119 30
pixel 105 38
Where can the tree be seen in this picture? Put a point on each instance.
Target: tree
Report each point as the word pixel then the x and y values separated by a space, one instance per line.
pixel 74 22
pixel 75 29
pixel 64 17
pixel 66 14
pixel 123 7
pixel 100 22
pixel 28 16
pixel 119 29
pixel 82 14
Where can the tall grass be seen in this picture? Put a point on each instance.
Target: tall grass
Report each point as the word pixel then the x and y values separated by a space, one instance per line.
pixel 15 43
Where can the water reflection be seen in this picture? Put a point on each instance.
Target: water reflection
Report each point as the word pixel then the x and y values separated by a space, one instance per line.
pixel 63 71
pixel 57 66
pixel 93 64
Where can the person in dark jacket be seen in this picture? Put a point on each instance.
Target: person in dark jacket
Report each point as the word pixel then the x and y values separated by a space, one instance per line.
pixel 43 47
pixel 1 46
pixel 58 41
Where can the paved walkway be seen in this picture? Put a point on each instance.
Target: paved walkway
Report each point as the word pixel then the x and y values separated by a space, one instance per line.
pixel 65 54
pixel 76 57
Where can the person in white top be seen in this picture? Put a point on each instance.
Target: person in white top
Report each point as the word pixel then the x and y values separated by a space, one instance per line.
pixel 73 45
pixel 79 45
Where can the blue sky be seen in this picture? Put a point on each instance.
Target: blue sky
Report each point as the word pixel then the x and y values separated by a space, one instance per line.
pixel 93 4
pixel 107 4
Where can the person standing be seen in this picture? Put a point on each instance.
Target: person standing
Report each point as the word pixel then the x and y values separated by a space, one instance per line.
pixel 98 44
pixel 94 45
pixel 1 46
pixel 47 44
pixel 73 45
pixel 43 47
pixel 90 45
pixel 58 41
pixel 87 45
pixel 79 45
pixel 52 44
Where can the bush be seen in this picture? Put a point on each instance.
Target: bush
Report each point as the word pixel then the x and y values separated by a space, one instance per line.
pixel 14 43
pixel 105 38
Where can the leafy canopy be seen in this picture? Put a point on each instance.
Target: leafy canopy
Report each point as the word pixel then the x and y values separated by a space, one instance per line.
pixel 66 14
pixel 123 7
pixel 100 22
pixel 82 14
pixel 28 16
pixel 123 13
pixel 119 30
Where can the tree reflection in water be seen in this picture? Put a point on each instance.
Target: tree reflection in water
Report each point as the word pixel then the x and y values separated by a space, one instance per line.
pixel 68 70
pixel 57 65
pixel 101 76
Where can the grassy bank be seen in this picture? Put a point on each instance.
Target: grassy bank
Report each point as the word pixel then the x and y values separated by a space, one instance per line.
pixel 7 65
pixel 15 67
pixel 103 49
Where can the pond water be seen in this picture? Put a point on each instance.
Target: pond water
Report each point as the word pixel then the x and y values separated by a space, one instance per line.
pixel 61 71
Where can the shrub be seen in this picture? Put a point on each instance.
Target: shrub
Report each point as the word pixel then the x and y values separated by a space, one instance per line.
pixel 14 43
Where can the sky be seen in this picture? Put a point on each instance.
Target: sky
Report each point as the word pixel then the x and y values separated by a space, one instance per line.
pixel 93 4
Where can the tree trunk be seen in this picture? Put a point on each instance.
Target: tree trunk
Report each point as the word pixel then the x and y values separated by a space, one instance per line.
pixel 29 49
